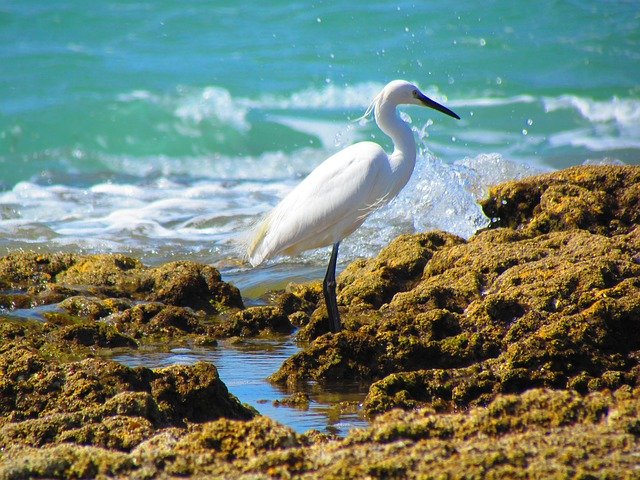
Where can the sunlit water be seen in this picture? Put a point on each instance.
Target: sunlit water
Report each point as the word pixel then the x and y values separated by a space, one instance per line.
pixel 165 130
pixel 244 368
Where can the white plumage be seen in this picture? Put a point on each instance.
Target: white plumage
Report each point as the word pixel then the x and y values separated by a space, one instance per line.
pixel 328 205
pixel 336 197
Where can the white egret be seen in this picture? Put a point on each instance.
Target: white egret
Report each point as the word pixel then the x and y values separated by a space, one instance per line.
pixel 337 196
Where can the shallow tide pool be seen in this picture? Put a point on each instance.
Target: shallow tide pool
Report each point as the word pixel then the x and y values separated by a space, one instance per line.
pixel 244 368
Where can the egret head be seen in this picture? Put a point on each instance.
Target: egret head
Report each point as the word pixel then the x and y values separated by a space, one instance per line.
pixel 402 92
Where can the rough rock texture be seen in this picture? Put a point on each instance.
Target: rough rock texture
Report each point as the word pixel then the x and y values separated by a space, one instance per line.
pixel 434 320
pixel 539 434
pixel 515 354
pixel 602 200
pixel 50 278
pixel 43 401
pixel 96 293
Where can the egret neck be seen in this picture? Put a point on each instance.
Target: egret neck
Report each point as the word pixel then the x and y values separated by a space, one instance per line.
pixel 403 159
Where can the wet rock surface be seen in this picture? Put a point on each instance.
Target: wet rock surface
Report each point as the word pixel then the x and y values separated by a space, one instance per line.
pixel 515 351
pixel 509 310
pixel 545 433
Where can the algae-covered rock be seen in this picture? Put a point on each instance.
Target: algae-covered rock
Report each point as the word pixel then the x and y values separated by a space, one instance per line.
pixel 91 295
pixel 156 320
pixel 22 269
pixel 93 334
pixel 299 400
pixel 397 268
pixel 63 461
pixel 116 272
pixel 231 439
pixel 600 199
pixel 194 393
pixel 554 311
pixel 505 311
pixel 255 321
pixel 538 434
pixel 188 284
pixel 51 278
pixel 182 284
pixel 103 403
pixel 93 308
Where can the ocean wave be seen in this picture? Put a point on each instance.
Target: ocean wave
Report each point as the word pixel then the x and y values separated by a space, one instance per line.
pixel 595 141
pixel 624 111
pixel 329 97
pixel 206 215
pixel 263 167
pixel 493 122
pixel 213 102
pixel 493 101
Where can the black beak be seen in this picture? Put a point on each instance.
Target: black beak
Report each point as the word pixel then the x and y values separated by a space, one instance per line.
pixel 427 102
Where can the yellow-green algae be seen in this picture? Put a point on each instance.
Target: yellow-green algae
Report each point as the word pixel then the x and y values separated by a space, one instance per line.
pixel 180 284
pixel 514 354
pixel 98 292
pixel 600 199
pixel 537 434
pixel 505 311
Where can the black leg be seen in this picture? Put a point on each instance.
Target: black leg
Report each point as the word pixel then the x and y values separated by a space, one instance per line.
pixel 329 290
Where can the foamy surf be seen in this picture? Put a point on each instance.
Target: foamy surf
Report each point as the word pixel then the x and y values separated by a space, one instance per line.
pixel 204 217
pixel 197 197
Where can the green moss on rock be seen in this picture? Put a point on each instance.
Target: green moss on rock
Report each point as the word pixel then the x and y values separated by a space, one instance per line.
pixel 397 268
pixel 188 284
pixel 95 334
pixel 102 402
pixel 600 199
pixel 116 277
pixel 461 322
pixel 537 434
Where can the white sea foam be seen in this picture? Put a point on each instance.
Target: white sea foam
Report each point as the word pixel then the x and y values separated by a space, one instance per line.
pixel 165 216
pixel 138 95
pixel 212 102
pixel 619 110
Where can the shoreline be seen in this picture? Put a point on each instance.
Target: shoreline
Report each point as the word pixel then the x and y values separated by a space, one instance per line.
pixel 486 356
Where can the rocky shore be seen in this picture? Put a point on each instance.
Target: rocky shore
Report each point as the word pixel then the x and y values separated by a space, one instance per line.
pixel 515 354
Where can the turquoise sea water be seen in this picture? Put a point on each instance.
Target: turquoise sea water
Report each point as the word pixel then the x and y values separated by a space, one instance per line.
pixel 165 129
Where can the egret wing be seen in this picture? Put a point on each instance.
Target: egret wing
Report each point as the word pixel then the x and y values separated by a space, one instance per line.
pixel 327 205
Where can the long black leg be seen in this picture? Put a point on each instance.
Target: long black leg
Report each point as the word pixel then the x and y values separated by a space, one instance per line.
pixel 329 290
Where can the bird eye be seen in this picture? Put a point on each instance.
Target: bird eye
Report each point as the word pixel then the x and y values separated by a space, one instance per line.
pixel 415 93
